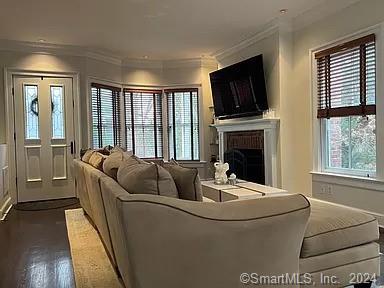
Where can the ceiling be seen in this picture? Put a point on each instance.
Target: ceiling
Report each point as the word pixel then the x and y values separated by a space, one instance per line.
pixel 157 29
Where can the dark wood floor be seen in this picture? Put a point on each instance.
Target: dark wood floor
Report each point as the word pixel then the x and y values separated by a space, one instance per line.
pixel 35 250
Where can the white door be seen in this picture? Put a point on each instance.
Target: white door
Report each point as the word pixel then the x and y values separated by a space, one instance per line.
pixel 44 138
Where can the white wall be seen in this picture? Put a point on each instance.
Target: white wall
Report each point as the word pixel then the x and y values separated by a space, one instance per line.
pixel 287 69
pixel 270 46
pixel 136 73
pixel 359 16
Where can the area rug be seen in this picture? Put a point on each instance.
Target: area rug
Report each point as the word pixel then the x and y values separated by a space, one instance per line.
pixel 90 262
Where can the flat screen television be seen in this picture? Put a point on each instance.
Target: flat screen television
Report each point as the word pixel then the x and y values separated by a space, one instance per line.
pixel 239 90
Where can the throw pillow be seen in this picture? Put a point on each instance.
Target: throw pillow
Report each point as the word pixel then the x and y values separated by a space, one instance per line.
pixel 145 178
pixel 97 160
pixel 118 149
pixel 112 163
pixel 187 181
pixel 87 155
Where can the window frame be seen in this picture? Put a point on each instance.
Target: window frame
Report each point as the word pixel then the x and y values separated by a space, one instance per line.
pixel 118 138
pixel 319 127
pixel 124 117
pixel 342 171
pixel 184 90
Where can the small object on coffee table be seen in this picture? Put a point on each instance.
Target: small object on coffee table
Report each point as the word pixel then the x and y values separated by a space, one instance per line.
pixel 221 173
pixel 232 179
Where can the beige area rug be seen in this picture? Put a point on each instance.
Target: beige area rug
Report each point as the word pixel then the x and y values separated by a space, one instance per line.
pixel 90 262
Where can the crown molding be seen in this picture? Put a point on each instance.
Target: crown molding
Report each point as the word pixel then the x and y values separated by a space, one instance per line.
pixel 267 31
pixel 57 49
pixel 142 63
pixel 170 64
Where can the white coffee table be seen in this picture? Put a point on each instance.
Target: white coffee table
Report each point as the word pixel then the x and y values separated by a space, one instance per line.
pixel 240 191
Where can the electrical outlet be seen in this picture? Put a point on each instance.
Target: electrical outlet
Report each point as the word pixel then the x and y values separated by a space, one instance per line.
pixel 329 190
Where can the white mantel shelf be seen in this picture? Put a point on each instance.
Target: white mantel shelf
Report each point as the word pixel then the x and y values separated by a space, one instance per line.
pixel 246 125
pixel 269 126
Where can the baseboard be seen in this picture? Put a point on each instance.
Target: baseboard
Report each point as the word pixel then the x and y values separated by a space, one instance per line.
pixel 7 205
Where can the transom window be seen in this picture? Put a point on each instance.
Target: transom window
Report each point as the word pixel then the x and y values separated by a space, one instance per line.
pixel 346 83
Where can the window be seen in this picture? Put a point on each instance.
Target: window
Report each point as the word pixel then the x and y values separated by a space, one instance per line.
pixel 183 124
pixel 346 84
pixel 105 115
pixel 143 122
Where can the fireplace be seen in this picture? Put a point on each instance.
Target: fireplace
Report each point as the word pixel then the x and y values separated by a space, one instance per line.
pixel 250 148
pixel 245 155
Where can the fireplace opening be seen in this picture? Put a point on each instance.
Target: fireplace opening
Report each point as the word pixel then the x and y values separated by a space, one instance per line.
pixel 245 155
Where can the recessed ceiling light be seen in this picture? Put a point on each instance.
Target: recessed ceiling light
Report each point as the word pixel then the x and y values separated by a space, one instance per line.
pixel 283 11
pixel 41 40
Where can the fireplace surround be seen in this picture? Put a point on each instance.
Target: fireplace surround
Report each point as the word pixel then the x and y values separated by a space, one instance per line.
pixel 268 127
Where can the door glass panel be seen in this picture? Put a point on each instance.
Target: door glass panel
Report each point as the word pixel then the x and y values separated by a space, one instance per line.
pixel 57 98
pixel 31 110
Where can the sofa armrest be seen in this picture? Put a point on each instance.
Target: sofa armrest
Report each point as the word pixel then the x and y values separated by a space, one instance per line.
pixel 177 243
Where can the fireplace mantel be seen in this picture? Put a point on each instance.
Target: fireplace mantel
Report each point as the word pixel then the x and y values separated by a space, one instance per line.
pixel 269 126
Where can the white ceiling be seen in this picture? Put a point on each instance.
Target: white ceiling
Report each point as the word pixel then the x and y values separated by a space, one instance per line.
pixel 160 29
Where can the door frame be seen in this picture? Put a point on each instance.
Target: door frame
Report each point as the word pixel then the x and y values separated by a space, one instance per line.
pixel 9 74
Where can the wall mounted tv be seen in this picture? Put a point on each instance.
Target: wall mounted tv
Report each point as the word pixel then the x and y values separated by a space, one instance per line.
pixel 239 90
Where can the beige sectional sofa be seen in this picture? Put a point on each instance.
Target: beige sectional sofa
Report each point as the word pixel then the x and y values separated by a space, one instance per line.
pixel 156 241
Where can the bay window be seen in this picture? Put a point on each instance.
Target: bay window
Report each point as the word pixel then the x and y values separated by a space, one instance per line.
pixel 142 118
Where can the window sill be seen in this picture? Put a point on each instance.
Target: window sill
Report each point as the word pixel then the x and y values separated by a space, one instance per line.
pixel 348 180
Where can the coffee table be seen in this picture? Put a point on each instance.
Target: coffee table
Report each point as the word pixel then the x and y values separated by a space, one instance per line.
pixel 240 191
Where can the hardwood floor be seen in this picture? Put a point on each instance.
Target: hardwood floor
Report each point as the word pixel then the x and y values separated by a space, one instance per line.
pixel 35 250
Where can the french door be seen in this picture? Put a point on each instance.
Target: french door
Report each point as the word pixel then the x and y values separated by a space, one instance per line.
pixel 44 137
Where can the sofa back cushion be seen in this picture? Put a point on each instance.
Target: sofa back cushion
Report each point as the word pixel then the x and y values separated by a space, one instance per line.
pixel 112 163
pixel 187 181
pixel 97 160
pixel 145 178
pixel 87 155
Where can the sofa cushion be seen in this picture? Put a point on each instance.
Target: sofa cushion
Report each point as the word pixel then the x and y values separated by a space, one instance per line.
pixel 97 160
pixel 87 155
pixel 334 227
pixel 112 163
pixel 187 181
pixel 145 178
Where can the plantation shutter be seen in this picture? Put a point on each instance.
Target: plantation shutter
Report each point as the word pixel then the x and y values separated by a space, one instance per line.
pixel 105 115
pixel 346 77
pixel 143 122
pixel 183 124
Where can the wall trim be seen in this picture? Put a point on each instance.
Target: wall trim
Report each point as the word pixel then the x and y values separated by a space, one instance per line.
pixel 348 181
pixel 263 33
pixel 57 49
pixel 169 64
